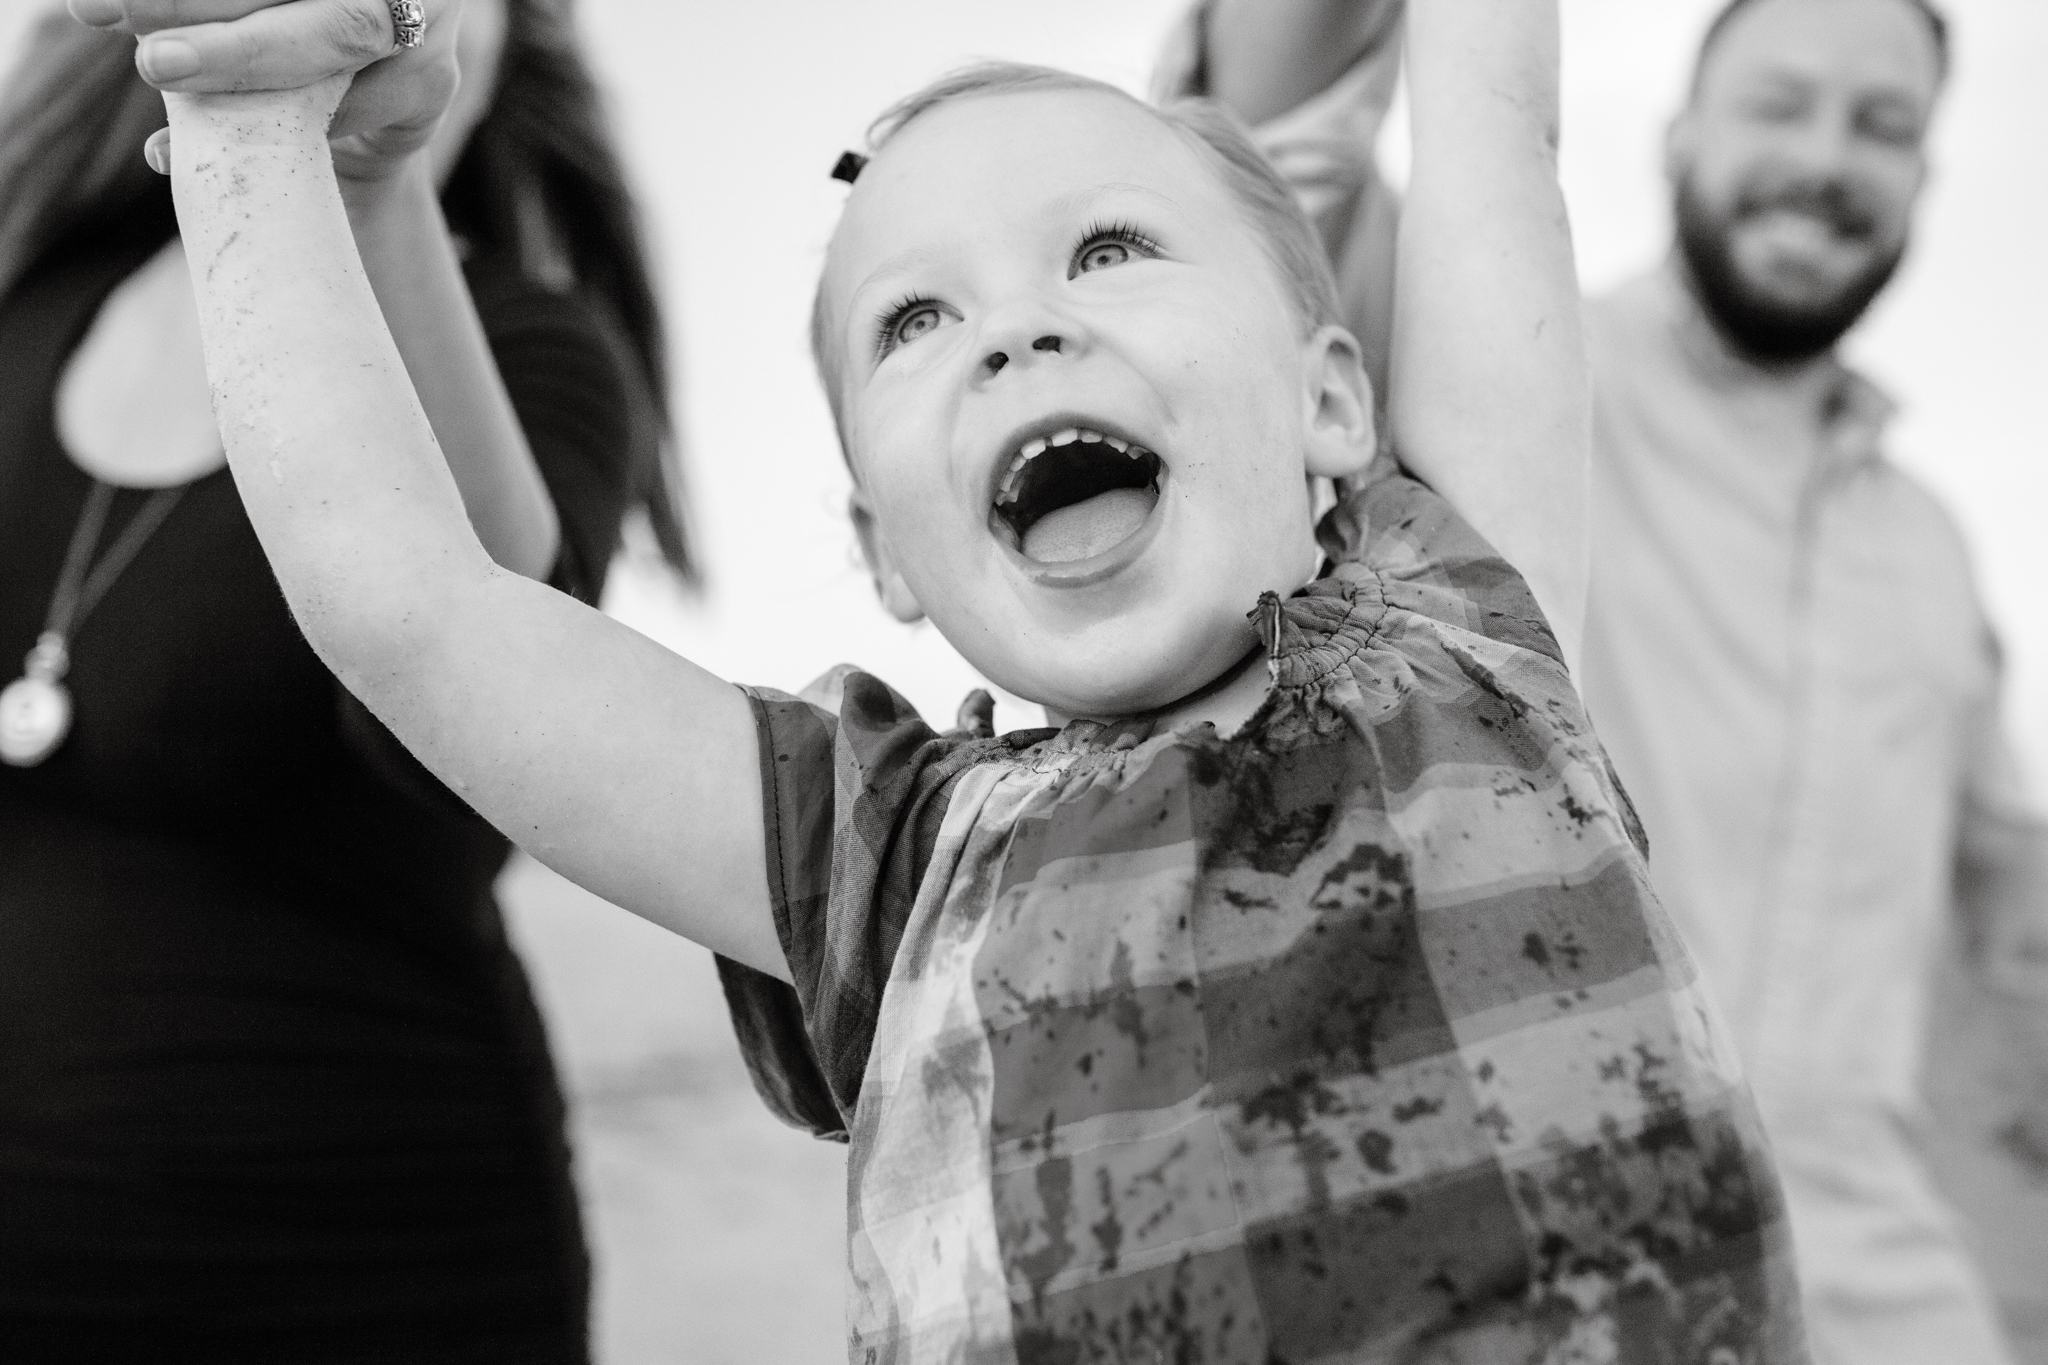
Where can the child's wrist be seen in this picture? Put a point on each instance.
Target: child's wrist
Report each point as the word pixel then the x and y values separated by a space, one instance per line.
pixel 284 119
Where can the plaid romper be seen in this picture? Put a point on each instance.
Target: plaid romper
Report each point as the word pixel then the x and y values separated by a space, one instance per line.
pixel 1357 1036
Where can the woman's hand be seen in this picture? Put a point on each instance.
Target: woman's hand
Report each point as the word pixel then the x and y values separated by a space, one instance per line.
pixel 218 46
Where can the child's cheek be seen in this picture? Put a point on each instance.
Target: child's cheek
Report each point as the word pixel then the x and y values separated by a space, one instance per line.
pixel 902 418
pixel 1213 333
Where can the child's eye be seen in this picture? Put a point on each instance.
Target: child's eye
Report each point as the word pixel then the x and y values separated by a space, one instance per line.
pixel 1104 254
pixel 1110 244
pixel 906 322
pixel 916 323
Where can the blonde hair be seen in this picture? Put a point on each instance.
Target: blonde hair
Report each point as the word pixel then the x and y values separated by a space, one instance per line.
pixel 1269 206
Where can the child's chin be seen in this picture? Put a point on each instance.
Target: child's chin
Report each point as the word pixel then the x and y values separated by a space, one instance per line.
pixel 1131 681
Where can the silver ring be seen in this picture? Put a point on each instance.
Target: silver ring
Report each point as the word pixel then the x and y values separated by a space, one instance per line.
pixel 408 24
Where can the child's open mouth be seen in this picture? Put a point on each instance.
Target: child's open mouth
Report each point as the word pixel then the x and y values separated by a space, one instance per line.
pixel 1076 494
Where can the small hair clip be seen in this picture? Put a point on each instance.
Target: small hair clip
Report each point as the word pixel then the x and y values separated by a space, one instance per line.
pixel 848 167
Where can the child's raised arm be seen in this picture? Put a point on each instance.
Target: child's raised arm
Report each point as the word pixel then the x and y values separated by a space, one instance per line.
pixel 621 765
pixel 1490 396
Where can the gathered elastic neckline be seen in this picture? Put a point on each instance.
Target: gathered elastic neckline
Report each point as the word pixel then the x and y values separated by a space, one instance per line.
pixel 1309 638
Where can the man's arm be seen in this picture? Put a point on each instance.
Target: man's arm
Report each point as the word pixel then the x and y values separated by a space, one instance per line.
pixel 1313 79
pixel 1490 396
pixel 1266 57
pixel 2002 875
pixel 2001 889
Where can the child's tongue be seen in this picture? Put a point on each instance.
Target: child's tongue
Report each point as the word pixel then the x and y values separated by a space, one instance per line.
pixel 1087 528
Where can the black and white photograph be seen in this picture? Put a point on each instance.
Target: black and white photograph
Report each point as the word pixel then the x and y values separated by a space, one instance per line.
pixel 1153 682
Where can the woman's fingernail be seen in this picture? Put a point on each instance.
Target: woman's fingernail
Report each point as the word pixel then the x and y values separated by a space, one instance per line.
pixel 98 13
pixel 157 152
pixel 167 59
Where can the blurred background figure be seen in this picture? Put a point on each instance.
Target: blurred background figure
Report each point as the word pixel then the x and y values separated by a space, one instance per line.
pixel 274 1087
pixel 1789 660
pixel 1786 655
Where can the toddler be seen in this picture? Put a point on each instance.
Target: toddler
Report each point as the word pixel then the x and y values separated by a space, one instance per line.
pixel 1298 995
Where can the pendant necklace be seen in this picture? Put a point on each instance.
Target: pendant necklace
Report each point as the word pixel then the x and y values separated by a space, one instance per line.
pixel 35 709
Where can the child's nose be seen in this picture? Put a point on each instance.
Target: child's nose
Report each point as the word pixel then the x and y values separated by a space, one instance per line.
pixel 997 359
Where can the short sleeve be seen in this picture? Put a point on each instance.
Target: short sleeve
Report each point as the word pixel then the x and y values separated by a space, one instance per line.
pixel 1444 599
pixel 854 789
pixel 1432 562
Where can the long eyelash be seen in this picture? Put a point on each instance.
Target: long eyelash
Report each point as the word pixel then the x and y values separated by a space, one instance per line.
pixel 1116 230
pixel 885 324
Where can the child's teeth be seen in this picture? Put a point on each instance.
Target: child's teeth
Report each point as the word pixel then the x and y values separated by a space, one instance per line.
pixel 1006 491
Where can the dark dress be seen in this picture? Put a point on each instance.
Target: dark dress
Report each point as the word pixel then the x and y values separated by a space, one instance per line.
pixel 272 1085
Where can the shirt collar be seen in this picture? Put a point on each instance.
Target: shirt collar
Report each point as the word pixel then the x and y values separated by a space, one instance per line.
pixel 1850 409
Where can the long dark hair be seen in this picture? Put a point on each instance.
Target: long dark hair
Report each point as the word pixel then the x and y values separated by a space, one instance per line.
pixel 538 181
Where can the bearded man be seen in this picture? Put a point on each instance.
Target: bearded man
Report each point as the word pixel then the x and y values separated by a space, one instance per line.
pixel 1786 655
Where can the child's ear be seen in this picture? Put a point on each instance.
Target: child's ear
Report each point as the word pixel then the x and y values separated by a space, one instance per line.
pixel 897 598
pixel 1342 433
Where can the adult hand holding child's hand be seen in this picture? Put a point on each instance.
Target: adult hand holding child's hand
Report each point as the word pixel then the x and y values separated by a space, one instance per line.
pixel 387 114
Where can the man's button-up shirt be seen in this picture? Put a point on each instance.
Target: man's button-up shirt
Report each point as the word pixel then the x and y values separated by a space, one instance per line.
pixel 1787 659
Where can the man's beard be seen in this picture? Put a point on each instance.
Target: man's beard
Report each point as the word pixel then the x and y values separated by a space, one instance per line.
pixel 1769 329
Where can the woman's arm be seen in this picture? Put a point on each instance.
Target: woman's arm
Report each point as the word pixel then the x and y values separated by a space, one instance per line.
pixel 1490 396
pixel 619 764
pixel 412 268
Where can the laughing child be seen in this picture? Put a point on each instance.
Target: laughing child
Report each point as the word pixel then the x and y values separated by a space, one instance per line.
pixel 1300 996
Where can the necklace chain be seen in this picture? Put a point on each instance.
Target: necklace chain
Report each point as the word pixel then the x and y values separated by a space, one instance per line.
pixel 35 709
pixel 78 591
